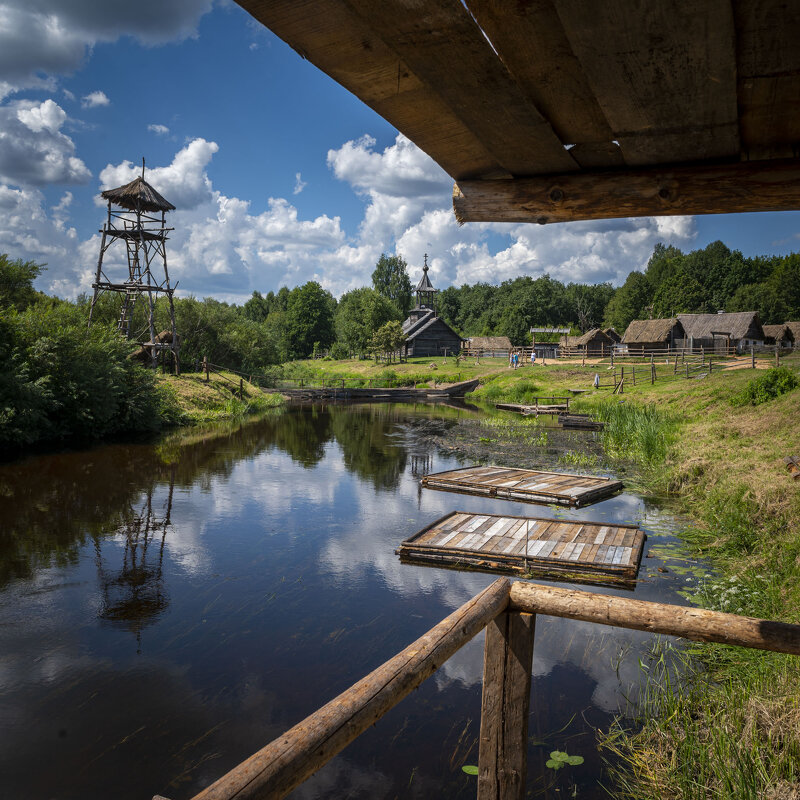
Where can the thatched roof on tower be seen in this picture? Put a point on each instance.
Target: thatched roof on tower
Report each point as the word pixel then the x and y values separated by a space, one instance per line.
pixel 138 195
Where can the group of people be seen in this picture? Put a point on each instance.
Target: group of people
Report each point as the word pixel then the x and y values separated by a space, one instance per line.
pixel 513 359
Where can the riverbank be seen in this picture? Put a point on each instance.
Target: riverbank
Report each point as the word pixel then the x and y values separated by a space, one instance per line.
pixel 222 397
pixel 716 721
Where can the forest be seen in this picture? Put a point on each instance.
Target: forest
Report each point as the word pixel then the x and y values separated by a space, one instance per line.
pixel 59 378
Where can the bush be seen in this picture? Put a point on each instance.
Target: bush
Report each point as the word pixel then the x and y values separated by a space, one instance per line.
pixel 773 383
pixel 59 380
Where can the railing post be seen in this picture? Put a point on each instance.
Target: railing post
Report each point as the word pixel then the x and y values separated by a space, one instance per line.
pixel 507 666
pixel 205 366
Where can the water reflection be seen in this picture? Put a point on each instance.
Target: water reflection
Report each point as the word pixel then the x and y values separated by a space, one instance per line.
pixel 176 605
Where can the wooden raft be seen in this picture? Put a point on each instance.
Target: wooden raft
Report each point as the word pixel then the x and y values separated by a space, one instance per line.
pixel 580 551
pixel 525 484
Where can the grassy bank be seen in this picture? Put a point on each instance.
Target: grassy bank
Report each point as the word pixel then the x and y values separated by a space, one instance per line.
pixel 198 402
pixel 715 721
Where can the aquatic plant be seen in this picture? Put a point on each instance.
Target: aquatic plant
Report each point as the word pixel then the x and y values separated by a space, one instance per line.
pixel 559 759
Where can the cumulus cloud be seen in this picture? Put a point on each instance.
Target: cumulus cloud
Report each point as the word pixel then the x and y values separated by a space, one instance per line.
pixel 95 100
pixel 33 151
pixel 45 38
pixel 409 210
pixel 159 130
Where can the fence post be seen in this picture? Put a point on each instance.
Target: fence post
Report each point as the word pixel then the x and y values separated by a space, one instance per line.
pixel 505 703
pixel 633 367
pixel 241 388
pixel 687 369
pixel 702 354
pixel 675 367
pixel 777 356
pixel 205 366
pixel 752 357
pixel 652 371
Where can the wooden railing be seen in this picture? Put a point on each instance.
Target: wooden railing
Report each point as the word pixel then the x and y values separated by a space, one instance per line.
pixel 508 612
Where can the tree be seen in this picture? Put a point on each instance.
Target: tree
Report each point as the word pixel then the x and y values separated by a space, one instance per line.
pixel 16 282
pixel 309 319
pixel 390 279
pixel 256 308
pixel 359 314
pixel 629 302
pixel 678 294
pixel 514 325
pixel 388 340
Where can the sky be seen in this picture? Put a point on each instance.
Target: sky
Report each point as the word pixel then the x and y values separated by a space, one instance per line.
pixel 279 175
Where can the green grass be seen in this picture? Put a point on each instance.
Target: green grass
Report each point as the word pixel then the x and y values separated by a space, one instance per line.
pixel 698 734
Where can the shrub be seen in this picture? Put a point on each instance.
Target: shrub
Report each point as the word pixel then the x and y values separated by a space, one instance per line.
pixel 773 383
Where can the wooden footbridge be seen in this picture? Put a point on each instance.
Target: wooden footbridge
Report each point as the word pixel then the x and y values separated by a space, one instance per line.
pixel 508 613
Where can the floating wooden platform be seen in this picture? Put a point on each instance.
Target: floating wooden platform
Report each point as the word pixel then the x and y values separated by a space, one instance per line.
pixel 525 484
pixel 580 422
pixel 593 552
pixel 539 408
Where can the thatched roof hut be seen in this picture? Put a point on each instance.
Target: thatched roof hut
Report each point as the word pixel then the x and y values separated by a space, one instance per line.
pixel 612 334
pixel 653 333
pixel 794 327
pixel 593 341
pixel 738 326
pixel 489 343
pixel 780 334
pixel 138 195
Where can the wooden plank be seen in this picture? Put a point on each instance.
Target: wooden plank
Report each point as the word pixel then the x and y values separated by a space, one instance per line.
pixel 505 705
pixel 768 77
pixel 704 189
pixel 333 38
pixel 664 74
pixel 283 764
pixel 434 41
pixel 534 47
pixel 696 624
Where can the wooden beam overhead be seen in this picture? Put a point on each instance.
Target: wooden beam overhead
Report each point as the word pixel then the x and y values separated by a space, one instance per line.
pixel 441 43
pixel 741 186
pixel 594 103
pixel 664 74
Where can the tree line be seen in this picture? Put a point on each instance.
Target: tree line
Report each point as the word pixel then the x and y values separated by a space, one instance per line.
pixel 52 369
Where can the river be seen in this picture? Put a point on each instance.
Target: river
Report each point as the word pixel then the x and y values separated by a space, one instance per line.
pixel 169 607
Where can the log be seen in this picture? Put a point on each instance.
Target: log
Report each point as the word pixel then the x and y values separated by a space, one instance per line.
pixel 507 664
pixel 772 185
pixel 697 624
pixel 286 762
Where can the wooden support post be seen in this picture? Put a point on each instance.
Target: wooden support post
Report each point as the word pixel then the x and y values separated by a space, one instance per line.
pixel 286 762
pixel 507 664
pixel 633 367
pixel 752 357
pixel 675 367
pixel 686 367
pixel 777 356
pixel 241 388
pixel 205 366
pixel 652 371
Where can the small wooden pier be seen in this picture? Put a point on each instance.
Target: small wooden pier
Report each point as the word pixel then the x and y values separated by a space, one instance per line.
pixel 586 552
pixel 531 486
pixel 540 405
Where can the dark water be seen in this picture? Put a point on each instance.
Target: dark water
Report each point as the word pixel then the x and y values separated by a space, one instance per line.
pixel 167 609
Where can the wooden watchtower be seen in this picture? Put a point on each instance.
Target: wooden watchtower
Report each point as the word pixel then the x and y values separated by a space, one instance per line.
pixel 137 221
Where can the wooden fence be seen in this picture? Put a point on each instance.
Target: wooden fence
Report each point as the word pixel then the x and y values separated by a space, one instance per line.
pixel 508 612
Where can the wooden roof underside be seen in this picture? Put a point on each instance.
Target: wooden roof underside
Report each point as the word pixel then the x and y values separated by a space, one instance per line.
pixel 555 110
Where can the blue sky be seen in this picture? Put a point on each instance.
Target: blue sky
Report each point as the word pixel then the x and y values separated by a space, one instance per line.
pixel 280 175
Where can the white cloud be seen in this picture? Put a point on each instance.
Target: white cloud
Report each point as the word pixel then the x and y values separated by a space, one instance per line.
pixel 33 151
pixel 299 183
pixel 159 130
pixel 95 100
pixel 409 210
pixel 45 38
